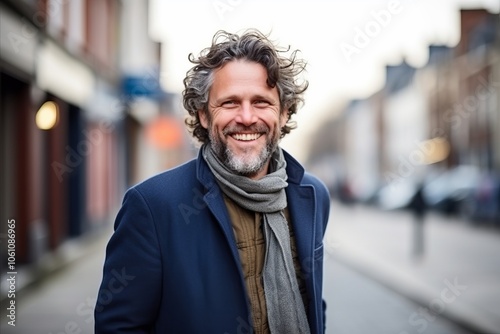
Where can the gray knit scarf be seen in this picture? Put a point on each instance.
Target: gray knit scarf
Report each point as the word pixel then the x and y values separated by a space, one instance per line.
pixel 285 308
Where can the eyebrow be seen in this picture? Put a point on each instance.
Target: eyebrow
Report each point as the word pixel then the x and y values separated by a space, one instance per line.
pixel 263 97
pixel 254 97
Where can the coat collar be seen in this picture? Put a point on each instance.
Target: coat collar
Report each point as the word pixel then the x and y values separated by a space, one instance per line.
pixel 294 169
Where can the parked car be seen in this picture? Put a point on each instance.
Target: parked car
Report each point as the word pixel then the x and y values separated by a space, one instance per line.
pixel 483 203
pixel 449 191
pixel 396 195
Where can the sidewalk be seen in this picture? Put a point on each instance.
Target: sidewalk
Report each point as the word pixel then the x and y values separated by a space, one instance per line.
pixel 63 300
pixel 458 277
pixel 68 253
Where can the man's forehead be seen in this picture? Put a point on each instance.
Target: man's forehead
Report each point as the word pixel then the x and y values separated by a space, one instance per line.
pixel 236 74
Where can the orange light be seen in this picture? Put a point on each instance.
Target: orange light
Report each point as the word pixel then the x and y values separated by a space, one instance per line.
pixel 164 132
pixel 439 150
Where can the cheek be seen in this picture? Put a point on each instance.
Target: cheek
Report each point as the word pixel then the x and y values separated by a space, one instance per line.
pixel 220 123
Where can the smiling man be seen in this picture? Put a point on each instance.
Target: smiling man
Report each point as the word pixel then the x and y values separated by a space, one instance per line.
pixel 244 117
pixel 230 242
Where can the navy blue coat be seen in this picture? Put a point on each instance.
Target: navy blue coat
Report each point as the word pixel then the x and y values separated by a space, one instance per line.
pixel 172 265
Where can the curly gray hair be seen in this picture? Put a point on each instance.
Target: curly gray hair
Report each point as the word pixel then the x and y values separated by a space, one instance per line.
pixel 282 72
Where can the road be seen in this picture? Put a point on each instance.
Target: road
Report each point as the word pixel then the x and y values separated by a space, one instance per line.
pixel 359 305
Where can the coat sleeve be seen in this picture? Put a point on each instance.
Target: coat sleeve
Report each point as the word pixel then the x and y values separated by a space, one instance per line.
pixel 326 214
pixel 129 295
pixel 323 213
pixel 324 201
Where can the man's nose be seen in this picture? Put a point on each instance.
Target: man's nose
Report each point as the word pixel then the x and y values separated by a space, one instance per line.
pixel 246 115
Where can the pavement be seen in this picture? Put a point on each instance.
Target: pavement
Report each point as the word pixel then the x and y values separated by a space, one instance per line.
pixel 68 253
pixel 357 304
pixel 457 276
pixel 63 301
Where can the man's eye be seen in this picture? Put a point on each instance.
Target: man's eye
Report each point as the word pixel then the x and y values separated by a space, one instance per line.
pixel 262 102
pixel 228 103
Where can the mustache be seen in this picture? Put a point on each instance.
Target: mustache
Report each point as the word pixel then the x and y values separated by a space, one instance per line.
pixel 257 128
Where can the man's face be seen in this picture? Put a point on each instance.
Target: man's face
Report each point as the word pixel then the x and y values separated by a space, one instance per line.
pixel 244 119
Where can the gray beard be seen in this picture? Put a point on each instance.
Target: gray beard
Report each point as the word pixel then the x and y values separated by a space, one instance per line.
pixel 238 164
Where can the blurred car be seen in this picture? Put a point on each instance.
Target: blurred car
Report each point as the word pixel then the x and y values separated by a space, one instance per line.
pixel 451 190
pixel 396 195
pixel 483 203
pixel 343 192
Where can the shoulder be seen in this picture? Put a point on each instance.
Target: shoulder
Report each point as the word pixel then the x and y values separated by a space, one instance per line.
pixel 319 187
pixel 175 180
pixel 297 174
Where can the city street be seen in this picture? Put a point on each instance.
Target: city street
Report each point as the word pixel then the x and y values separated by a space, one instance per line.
pixel 397 106
pixel 356 302
pixel 359 305
pixel 457 276
pixel 64 302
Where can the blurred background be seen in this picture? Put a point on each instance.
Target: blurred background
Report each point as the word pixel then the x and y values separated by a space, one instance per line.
pixel 401 121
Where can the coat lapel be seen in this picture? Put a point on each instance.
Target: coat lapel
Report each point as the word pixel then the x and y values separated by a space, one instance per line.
pixel 214 200
pixel 301 207
pixel 301 203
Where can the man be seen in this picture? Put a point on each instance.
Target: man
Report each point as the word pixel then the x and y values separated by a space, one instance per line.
pixel 230 242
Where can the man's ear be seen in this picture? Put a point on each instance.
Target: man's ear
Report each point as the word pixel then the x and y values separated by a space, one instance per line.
pixel 203 119
pixel 284 117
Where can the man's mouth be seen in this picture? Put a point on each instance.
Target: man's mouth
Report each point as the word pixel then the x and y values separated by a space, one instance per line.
pixel 246 136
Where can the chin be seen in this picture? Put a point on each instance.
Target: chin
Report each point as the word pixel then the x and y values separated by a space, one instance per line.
pixel 249 165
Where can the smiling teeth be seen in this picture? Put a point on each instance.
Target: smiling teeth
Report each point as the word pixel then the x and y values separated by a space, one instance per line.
pixel 246 136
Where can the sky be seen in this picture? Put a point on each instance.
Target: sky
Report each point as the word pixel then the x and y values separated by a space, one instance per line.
pixel 347 44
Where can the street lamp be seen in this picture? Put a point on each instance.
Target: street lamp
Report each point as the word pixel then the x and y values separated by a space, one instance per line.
pixel 47 116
